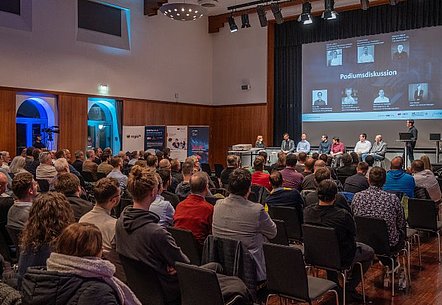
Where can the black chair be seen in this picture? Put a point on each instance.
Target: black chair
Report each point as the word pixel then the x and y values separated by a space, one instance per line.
pixel 374 233
pixel 397 193
pixel 421 193
pixel 199 286
pixel 89 176
pixel 291 219
pixel 342 179
pixel 218 169
pixel 215 181
pixel 143 281
pixel 205 167
pixel 281 237
pixel 14 234
pixel 319 240
pixel 188 244
pixel 100 175
pixel 422 216
pixel 43 185
pixel 182 198
pixel 212 200
pixel 286 275
pixel 260 193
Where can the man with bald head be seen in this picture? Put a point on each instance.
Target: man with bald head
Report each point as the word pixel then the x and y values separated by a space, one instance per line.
pixel 195 213
pixel 378 149
pixel 398 180
pixel 164 164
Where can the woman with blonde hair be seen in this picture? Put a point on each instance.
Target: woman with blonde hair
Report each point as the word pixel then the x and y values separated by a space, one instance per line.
pixel 50 214
pixel 18 165
pixel 427 162
pixel 76 274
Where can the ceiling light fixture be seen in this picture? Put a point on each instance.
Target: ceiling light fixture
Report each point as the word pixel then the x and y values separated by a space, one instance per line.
pixel 183 11
pixel 232 24
pixel 365 4
pixel 329 13
pixel 262 15
pixel 245 21
pixel 306 15
pixel 277 13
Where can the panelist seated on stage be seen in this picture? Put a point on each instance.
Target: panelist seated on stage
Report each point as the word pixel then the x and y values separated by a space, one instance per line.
pixel 287 145
pixel 363 146
pixel 378 149
pixel 260 142
pixel 325 145
pixel 336 151
pixel 303 145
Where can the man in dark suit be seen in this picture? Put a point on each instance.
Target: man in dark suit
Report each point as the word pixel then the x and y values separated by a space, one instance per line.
pixel 319 101
pixel 413 139
pixel 418 94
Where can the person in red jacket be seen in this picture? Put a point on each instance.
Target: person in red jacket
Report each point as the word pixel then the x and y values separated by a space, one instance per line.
pixel 259 177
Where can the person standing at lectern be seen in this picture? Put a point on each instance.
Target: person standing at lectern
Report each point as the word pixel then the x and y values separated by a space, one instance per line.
pixel 287 145
pixel 412 143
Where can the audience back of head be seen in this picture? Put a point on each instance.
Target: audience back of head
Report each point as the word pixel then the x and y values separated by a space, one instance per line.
pixel 240 181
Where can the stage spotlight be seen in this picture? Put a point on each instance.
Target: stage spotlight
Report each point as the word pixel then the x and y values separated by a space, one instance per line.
pixel 394 2
pixel 329 13
pixel 365 4
pixel 306 17
pixel 245 21
pixel 232 24
pixel 262 15
pixel 277 13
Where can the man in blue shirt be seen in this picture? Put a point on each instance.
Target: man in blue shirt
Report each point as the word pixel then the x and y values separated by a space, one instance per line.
pixel 303 145
pixel 325 145
pixel 117 164
pixel 398 180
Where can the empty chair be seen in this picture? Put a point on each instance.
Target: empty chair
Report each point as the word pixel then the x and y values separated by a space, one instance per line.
pixel 143 281
pixel 291 219
pixel 188 244
pixel 422 216
pixel 319 240
pixel 287 277
pixel 281 237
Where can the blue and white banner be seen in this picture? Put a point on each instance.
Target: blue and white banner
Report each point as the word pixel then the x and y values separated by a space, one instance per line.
pixel 154 137
pixel 199 142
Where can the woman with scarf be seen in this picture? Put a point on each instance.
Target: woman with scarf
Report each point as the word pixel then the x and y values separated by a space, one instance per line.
pixel 76 274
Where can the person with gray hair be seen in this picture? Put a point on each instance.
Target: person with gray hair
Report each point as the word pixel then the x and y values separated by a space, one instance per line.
pixel 90 165
pixel 6 158
pixel 17 165
pixel 378 149
pixel 46 169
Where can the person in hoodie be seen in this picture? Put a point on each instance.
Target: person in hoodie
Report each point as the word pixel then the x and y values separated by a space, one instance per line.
pixel 425 178
pixel 398 180
pixel 140 237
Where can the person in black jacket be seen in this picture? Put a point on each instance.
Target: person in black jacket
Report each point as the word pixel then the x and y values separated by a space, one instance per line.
pixel 76 275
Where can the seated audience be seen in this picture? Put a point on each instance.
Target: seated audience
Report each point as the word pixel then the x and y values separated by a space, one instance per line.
pixel 308 166
pixel 46 169
pixel 427 162
pixel 5 158
pixel 347 169
pixel 69 185
pixel 327 214
pixel 166 177
pixel 249 223
pixel 105 167
pixel 315 156
pixel 161 207
pixel 370 161
pixel 425 178
pixel 6 201
pixel 398 180
pixel 107 194
pixel 90 165
pixel 152 161
pixel 375 202
pixel 164 164
pixel 303 145
pixel 258 176
pixel 292 178
pixel 134 156
pixel 79 159
pixel 25 189
pixel 324 146
pixel 183 188
pixel 97 155
pixel 76 274
pixel 62 167
pixel 32 166
pixel 309 182
pixel 66 154
pixel 177 176
pixel 17 165
pixel 358 182
pixel 363 146
pixel 49 215
pixel 280 163
pixel 232 164
pixel 300 165
pixel 378 149
pixel 280 196
pixel 355 159
pixel 195 213
pixel 117 164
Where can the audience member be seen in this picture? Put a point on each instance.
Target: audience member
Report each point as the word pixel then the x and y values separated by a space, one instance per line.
pixel 25 189
pixel 347 169
pixel 303 145
pixel 161 207
pixel 164 164
pixel 327 214
pixel 46 169
pixel 104 167
pixel 69 185
pixel 425 178
pixel 249 223
pixel 292 178
pixel 29 157
pixel 97 152
pixel 152 161
pixel 107 194
pixel 76 274
pixel 258 176
pixel 308 166
pixel 398 180
pixel 427 162
pixel 309 182
pixel 134 156
pixel 232 164
pixel 374 202
pixel 183 188
pixel 195 213
pixel 325 145
pixel 18 165
pixel 267 167
pixel 117 164
pixel 370 161
pixel 32 166
pixel 90 164
pixel 166 152
pixel 6 158
pixel 358 182
pixel 355 159
pixel 166 177
pixel 315 156
pixel 280 196
pixel 300 165
pixel 49 215
pixel 66 154
pixel 280 163
pixel 177 176
pixel 6 201
pixel 79 159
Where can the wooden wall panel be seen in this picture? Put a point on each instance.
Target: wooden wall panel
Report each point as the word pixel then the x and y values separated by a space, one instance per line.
pixel 7 120
pixel 72 119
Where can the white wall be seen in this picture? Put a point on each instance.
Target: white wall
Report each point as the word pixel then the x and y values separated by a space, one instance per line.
pixel 165 56
pixel 239 58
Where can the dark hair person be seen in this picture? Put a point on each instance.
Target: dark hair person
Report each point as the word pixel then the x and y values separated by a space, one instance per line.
pixel 76 274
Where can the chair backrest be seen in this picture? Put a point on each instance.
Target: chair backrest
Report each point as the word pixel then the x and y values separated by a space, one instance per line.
pixel 188 244
pixel 206 168
pixel 286 271
pixel 422 214
pixel 43 185
pixel 291 219
pixel 218 169
pixel 14 233
pixel 143 281
pixel 421 193
pixel 198 286
pixel 374 233
pixel 281 237
pixel 319 241
pixel 260 193
pixel 342 178
pixel 397 193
